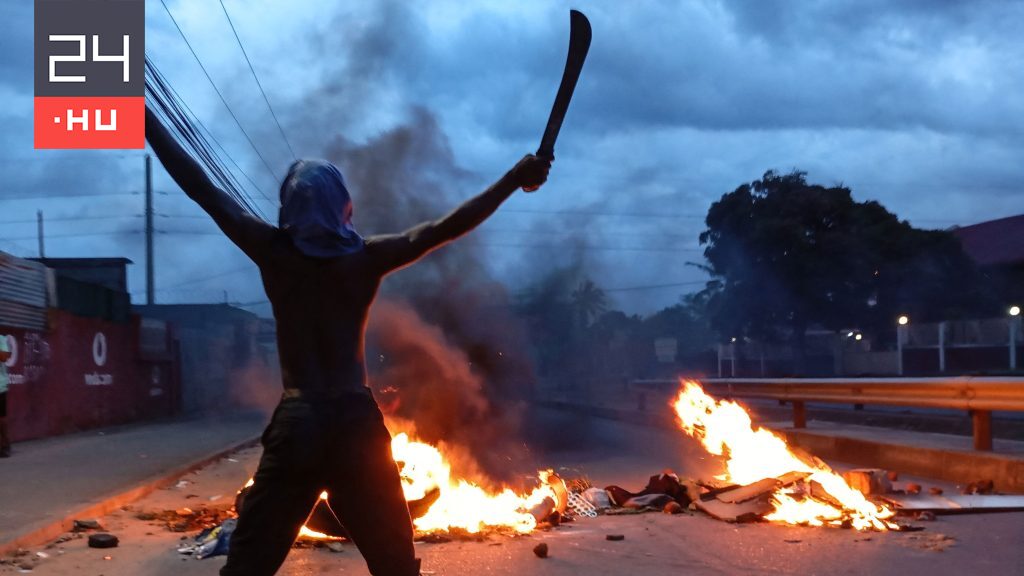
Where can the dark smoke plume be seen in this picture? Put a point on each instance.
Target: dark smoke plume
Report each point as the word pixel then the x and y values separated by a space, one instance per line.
pixel 444 349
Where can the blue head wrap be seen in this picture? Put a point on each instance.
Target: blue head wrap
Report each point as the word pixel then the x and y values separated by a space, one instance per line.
pixel 316 210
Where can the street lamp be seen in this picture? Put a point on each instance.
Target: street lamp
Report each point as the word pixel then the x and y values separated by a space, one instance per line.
pixel 1014 328
pixel 901 328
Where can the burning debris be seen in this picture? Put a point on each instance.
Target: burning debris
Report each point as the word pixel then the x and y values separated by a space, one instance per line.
pixel 462 504
pixel 441 501
pixel 783 486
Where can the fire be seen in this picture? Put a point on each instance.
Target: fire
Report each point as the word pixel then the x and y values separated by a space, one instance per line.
pixel 752 454
pixel 461 504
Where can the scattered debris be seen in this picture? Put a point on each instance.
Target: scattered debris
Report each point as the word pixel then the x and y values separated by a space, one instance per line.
pixel 664 484
pixel 83 525
pixel 541 550
pixel 935 491
pixel 212 541
pixel 913 488
pixel 868 481
pixel 760 488
pixel 980 487
pixel 749 511
pixel 933 542
pixel 434 538
pixel 672 508
pixel 597 498
pixel 615 537
pixel 187 519
pixel 103 540
pixel 335 547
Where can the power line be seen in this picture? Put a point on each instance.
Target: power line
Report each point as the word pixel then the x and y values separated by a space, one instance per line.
pixel 167 100
pixel 210 277
pixel 64 157
pixel 216 89
pixel 599 213
pixel 656 286
pixel 494 244
pixel 616 234
pixel 76 235
pixel 258 83
pixel 47 196
pixel 69 219
pixel 585 247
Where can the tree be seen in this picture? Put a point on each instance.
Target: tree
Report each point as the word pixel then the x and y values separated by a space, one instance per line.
pixel 791 254
pixel 588 302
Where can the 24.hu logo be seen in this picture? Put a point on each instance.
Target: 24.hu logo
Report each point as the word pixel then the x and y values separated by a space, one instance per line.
pixel 89 81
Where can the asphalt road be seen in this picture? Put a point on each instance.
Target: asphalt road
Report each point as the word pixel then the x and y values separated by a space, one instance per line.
pixel 607 452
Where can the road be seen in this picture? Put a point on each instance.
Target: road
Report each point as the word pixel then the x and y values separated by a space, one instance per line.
pixel 607 452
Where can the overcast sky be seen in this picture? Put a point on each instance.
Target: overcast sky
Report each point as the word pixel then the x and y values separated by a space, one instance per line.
pixel 915 104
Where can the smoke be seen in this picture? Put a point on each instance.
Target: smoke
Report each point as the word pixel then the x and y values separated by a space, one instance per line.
pixel 444 349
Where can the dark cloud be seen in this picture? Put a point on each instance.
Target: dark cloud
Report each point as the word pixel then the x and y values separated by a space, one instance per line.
pixel 679 102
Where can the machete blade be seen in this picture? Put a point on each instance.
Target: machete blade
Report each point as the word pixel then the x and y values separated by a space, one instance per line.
pixel 579 44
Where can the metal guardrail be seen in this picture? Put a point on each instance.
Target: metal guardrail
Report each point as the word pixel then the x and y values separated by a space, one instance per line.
pixel 978 395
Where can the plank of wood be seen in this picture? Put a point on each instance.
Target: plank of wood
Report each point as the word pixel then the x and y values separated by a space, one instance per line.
pixel 764 486
pixel 749 511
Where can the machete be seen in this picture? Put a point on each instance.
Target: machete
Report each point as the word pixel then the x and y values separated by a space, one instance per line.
pixel 579 44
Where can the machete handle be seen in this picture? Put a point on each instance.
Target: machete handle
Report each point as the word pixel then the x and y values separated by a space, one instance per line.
pixel 550 158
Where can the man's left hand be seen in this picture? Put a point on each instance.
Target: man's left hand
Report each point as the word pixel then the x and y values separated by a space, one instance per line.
pixel 531 172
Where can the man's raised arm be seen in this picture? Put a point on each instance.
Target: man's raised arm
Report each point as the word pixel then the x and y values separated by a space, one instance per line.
pixel 393 251
pixel 248 232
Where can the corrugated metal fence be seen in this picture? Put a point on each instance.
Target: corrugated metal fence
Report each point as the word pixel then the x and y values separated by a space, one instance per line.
pixel 25 290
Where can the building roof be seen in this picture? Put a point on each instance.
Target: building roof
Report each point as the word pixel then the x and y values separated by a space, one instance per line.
pixel 83 262
pixel 996 242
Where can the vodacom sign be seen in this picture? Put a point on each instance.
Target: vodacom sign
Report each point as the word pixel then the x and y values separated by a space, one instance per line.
pixel 99 358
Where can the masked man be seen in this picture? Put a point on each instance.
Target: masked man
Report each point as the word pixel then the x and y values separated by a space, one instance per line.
pixel 321 278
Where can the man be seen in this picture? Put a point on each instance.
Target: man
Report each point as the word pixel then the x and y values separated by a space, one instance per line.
pixel 321 277
pixel 5 438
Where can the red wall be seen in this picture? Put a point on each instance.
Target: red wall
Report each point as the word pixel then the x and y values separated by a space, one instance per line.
pixel 64 380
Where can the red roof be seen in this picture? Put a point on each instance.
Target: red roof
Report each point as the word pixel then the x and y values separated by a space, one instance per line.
pixel 995 242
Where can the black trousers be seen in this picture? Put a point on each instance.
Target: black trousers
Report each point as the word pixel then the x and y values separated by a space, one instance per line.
pixel 338 445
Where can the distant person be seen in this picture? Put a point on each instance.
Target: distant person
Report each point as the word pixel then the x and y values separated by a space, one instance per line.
pixel 321 277
pixel 5 437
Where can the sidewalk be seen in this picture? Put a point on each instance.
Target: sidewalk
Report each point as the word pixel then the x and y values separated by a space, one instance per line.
pixel 943 456
pixel 47 480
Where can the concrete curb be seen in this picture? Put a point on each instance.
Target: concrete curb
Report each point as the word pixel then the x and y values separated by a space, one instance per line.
pixel 958 466
pixel 106 505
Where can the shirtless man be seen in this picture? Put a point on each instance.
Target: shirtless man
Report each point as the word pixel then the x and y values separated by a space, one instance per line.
pixel 321 278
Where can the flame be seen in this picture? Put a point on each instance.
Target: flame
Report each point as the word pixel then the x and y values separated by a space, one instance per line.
pixel 751 454
pixel 461 504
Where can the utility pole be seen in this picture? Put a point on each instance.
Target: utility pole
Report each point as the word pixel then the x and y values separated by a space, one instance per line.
pixel 150 290
pixel 39 232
